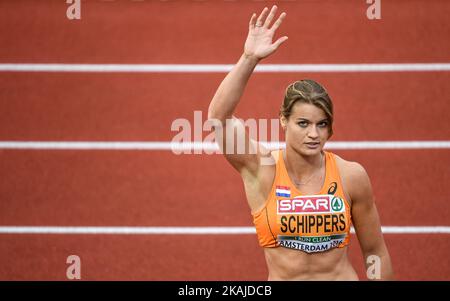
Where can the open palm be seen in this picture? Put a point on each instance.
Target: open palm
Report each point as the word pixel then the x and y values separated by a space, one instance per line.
pixel 260 35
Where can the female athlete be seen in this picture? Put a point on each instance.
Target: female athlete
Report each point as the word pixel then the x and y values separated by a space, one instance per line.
pixel 304 203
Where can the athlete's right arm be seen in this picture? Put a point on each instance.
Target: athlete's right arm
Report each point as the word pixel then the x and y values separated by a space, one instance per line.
pixel 257 46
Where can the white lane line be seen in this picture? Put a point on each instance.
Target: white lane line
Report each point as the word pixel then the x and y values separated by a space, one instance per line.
pixel 188 68
pixel 210 147
pixel 126 230
pixel 190 230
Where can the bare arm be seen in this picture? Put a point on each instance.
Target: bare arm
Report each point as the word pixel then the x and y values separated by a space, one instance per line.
pixel 367 224
pixel 257 46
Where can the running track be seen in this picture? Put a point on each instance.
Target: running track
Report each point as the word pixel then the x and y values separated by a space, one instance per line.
pixel 158 188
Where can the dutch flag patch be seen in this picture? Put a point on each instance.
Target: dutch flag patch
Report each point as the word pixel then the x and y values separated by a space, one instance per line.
pixel 283 191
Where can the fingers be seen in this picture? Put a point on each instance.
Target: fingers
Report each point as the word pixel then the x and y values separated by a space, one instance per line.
pixel 262 16
pixel 252 21
pixel 280 41
pixel 270 16
pixel 278 22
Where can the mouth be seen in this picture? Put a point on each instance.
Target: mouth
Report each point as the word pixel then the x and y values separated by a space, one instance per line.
pixel 312 145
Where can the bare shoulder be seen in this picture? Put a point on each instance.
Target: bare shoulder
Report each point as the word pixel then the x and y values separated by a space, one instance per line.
pixel 354 177
pixel 351 169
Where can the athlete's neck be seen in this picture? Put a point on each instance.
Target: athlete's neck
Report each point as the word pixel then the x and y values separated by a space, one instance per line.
pixel 302 166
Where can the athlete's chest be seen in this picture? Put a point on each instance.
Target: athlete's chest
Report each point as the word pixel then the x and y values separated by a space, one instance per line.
pixel 310 223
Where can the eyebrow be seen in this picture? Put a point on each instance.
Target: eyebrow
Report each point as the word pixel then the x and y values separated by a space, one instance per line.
pixel 305 119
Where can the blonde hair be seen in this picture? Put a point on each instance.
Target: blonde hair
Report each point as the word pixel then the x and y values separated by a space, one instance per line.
pixel 311 92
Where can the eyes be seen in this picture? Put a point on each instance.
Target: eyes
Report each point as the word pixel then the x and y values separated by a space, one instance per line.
pixel 304 124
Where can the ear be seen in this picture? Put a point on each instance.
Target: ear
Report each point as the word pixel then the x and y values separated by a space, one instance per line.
pixel 283 122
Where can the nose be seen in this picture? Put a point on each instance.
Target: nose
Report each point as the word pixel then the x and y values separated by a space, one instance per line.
pixel 313 133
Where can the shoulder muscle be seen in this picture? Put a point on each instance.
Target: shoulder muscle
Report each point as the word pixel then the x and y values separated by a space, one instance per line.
pixel 355 178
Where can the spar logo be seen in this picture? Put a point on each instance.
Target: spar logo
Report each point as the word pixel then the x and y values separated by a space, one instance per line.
pixel 311 204
pixel 337 204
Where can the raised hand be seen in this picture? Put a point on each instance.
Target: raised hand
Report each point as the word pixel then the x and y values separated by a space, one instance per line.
pixel 259 40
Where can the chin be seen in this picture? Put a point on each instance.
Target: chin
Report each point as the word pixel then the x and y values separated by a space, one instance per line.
pixel 311 152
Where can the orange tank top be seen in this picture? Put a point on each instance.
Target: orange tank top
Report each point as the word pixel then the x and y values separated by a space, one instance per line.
pixel 309 223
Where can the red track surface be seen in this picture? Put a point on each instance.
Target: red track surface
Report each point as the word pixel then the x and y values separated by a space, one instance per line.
pixel 206 257
pixel 152 188
pixel 136 188
pixel 386 106
pixel 204 32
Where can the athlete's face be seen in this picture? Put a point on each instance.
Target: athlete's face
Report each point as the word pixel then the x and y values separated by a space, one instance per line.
pixel 307 128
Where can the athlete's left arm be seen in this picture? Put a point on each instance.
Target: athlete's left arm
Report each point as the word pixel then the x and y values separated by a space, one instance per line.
pixel 367 225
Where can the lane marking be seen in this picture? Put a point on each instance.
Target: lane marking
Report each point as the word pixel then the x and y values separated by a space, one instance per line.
pixel 191 230
pixel 182 68
pixel 167 146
